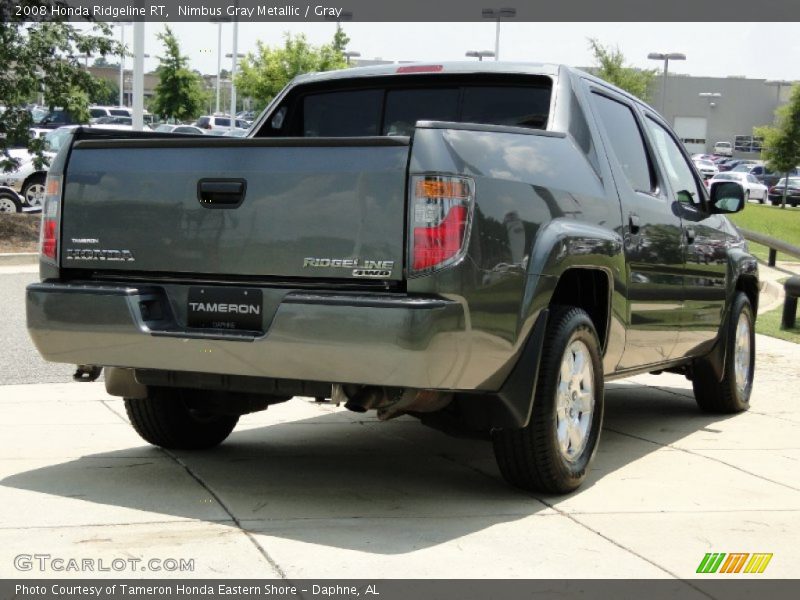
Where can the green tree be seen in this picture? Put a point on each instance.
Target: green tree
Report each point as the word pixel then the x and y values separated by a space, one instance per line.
pixel 179 93
pixel 106 93
pixel 611 67
pixel 266 71
pixel 43 58
pixel 781 147
pixel 102 61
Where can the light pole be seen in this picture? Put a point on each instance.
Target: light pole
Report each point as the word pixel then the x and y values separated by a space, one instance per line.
pixel 479 54
pixel 128 79
pixel 234 56
pixel 122 25
pixel 666 57
pixel 711 104
pixel 351 54
pixel 498 13
pixel 219 22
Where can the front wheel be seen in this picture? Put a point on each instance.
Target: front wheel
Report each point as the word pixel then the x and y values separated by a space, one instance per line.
pixel 166 418
pixel 33 190
pixel 731 394
pixel 8 203
pixel 552 453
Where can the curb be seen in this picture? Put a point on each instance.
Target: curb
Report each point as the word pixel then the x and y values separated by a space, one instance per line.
pixel 19 258
pixel 770 297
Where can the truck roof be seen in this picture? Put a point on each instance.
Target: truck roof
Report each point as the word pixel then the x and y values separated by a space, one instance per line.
pixel 432 67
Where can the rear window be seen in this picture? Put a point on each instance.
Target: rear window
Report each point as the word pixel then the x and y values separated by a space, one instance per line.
pixel 395 107
pixel 222 122
pixel 118 112
pixel 97 112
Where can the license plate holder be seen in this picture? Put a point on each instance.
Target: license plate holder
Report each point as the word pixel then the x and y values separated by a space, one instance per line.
pixel 225 308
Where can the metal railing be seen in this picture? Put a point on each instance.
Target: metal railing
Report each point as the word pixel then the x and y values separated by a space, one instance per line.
pixel 775 245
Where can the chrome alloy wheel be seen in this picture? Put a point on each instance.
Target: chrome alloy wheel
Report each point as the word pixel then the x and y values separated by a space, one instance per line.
pixel 742 354
pixel 575 402
pixel 34 195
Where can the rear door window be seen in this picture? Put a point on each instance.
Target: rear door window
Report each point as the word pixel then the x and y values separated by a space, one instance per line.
pixel 626 142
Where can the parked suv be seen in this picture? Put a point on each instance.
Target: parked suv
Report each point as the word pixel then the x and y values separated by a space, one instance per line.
pixel 212 122
pixel 723 149
pixel 477 246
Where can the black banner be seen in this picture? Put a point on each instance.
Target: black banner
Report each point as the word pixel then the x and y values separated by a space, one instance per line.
pixel 405 10
pixel 714 587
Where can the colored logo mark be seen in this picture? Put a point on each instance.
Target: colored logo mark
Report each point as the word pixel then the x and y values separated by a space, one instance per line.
pixel 735 562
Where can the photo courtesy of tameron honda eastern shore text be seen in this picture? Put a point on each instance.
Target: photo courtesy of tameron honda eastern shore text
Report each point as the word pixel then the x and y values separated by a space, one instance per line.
pixel 480 245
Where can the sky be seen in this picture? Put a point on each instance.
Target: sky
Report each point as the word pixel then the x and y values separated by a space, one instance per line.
pixel 757 50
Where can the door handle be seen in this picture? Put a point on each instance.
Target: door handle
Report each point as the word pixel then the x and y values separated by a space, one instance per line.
pixel 690 235
pixel 634 223
pixel 221 193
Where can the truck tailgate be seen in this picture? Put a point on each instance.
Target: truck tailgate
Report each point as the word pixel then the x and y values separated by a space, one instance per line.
pixel 292 208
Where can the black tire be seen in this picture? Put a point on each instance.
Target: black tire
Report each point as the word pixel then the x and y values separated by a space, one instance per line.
pixel 34 180
pixel 726 397
pixel 165 419
pixel 531 457
pixel 747 195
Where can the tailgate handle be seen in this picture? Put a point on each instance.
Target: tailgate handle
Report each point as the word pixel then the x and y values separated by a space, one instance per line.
pixel 221 193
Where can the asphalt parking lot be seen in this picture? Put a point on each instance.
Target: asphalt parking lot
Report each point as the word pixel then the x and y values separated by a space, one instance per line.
pixel 310 490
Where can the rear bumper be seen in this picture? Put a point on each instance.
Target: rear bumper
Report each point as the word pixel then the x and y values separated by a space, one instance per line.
pixel 377 339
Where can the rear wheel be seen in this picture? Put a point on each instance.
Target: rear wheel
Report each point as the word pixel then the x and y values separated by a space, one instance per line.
pixel 166 418
pixel 552 453
pixel 732 393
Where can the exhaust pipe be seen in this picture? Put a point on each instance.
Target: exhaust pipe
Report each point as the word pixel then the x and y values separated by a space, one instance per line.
pixel 390 402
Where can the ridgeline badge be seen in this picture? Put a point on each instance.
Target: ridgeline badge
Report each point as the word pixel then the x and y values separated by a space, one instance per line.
pixel 375 269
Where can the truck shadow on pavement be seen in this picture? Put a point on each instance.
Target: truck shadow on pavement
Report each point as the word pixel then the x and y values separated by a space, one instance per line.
pixel 343 481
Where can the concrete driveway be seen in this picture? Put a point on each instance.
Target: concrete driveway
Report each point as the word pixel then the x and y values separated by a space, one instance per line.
pixel 305 490
pixel 309 490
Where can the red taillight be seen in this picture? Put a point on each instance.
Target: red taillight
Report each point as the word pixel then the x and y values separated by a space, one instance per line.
pixel 441 215
pixel 49 234
pixel 49 238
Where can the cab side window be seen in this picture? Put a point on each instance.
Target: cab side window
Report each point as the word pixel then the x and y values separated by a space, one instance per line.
pixel 678 171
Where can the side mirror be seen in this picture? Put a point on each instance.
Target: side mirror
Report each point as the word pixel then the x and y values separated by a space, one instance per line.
pixel 726 197
pixel 685 197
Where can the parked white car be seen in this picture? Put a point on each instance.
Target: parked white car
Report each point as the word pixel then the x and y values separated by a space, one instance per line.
pixel 753 190
pixel 707 168
pixel 27 180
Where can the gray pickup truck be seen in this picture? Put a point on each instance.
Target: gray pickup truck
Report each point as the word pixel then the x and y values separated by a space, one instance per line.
pixel 477 245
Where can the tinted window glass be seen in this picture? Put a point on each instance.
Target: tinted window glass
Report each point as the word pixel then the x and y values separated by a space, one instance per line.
pixel 405 107
pixel 342 114
pixel 506 105
pixel 626 141
pixel 97 112
pixel 222 122
pixel 119 112
pixel 203 121
pixel 677 168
